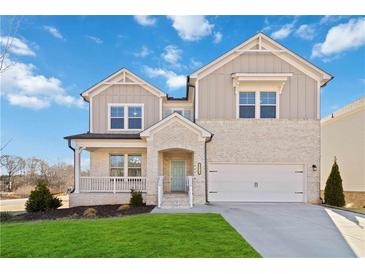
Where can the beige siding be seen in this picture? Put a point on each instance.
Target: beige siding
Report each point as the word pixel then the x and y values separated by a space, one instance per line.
pixel 343 137
pixel 298 99
pixel 123 94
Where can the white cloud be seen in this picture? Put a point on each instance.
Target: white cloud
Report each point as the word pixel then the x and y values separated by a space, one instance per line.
pixel 53 31
pixel 145 20
pixel 22 86
pixel 28 101
pixel 342 37
pixel 191 27
pixel 145 51
pixel 306 32
pixel 17 46
pixel 327 19
pixel 217 37
pixel 95 39
pixel 173 80
pixel 284 31
pixel 171 54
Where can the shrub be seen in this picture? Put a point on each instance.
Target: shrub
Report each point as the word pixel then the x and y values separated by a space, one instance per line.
pixel 123 207
pixel 90 212
pixel 5 216
pixel 136 198
pixel 333 192
pixel 41 199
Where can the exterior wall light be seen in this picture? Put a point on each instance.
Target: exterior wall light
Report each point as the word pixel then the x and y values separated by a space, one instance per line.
pixel 314 167
pixel 199 168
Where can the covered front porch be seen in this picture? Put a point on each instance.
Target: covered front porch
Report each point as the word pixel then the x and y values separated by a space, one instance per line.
pixel 165 162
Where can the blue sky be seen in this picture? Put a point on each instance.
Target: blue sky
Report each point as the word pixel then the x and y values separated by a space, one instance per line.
pixel 54 58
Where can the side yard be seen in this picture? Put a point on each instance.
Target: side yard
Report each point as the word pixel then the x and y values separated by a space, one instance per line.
pixel 142 236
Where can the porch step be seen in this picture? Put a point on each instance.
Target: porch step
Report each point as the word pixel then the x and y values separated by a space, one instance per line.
pixel 175 200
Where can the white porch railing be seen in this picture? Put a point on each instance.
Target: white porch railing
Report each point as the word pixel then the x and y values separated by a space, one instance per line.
pixel 159 191
pixel 190 190
pixel 112 184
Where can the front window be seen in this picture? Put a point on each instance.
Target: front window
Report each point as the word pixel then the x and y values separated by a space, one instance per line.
pixel 134 165
pixel 116 117
pixel 134 117
pixel 247 104
pixel 124 117
pixel 117 165
pixel 267 104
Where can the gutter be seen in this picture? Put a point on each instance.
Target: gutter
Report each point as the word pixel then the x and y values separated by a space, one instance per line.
pixel 73 149
pixel 206 168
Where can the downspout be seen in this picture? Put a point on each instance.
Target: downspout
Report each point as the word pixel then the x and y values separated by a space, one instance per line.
pixel 73 149
pixel 206 169
pixel 187 89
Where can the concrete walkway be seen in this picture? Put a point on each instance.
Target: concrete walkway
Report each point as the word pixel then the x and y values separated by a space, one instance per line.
pixel 284 230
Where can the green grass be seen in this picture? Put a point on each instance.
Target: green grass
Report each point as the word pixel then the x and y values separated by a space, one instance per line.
pixel 140 236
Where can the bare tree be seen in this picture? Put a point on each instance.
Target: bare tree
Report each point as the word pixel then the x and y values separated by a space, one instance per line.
pixel 8 32
pixel 12 165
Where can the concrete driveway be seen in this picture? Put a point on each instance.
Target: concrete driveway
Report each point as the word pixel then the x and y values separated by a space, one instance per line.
pixel 284 230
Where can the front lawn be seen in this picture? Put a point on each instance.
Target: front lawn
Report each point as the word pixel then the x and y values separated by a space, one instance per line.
pixel 142 236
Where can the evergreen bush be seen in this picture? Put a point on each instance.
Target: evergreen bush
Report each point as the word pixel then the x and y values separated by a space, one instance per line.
pixel 333 192
pixel 41 199
pixel 136 198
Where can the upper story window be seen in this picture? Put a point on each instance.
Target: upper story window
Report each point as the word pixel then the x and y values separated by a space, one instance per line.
pixel 125 117
pixel 257 104
pixel 247 103
pixel 267 104
pixel 135 117
pixel 116 117
pixel 186 112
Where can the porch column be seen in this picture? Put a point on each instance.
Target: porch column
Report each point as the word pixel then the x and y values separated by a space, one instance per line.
pixel 78 151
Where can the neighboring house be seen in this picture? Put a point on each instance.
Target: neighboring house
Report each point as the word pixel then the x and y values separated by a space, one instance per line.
pixel 343 137
pixel 248 130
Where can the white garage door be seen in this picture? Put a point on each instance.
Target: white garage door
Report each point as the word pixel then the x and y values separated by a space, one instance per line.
pixel 255 183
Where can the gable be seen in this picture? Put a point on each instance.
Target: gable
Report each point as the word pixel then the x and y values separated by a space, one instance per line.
pixel 122 77
pixel 172 119
pixel 260 44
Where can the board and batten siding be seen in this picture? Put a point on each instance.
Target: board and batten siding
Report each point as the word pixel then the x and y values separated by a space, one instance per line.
pixel 217 100
pixel 131 94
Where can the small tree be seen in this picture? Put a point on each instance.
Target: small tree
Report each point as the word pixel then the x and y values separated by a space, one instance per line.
pixel 41 199
pixel 333 192
pixel 136 198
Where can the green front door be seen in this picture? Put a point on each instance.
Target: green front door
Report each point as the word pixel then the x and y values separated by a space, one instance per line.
pixel 177 175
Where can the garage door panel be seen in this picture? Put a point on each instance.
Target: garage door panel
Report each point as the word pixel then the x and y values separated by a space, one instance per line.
pixel 265 183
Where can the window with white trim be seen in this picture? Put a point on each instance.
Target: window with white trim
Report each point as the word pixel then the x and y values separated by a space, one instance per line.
pixel 247 103
pixel 125 117
pixel 116 117
pixel 117 165
pixel 134 165
pixel 134 117
pixel 267 104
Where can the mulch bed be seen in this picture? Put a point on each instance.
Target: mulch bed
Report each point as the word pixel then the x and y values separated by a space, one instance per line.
pixel 77 212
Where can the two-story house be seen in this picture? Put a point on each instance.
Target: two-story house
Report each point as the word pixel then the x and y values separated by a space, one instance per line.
pixel 248 130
